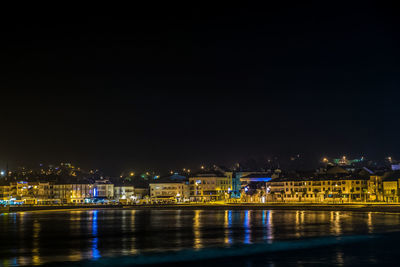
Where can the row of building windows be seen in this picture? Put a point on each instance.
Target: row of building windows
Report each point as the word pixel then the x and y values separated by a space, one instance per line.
pixel 319 183
pixel 328 188
pixel 168 188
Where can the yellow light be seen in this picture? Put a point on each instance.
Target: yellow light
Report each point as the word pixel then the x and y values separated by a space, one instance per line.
pixel 202 167
pixel 131 174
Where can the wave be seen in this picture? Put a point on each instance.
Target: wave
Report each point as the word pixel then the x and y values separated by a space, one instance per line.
pixel 223 252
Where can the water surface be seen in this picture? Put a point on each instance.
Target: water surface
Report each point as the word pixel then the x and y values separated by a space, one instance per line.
pixel 34 238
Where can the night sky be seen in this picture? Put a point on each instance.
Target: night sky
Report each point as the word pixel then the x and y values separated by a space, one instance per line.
pixel 167 87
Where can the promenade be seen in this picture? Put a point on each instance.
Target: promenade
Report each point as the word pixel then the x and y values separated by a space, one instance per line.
pixel 365 207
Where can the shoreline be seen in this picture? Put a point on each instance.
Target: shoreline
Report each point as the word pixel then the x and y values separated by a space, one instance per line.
pixel 246 206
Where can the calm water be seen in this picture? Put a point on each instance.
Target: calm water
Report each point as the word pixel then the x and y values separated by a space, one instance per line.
pixel 88 237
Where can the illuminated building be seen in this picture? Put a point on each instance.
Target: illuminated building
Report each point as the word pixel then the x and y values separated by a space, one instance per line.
pixel 5 192
pixel 174 188
pixel 103 189
pixel 390 186
pixel 391 190
pixel 32 192
pixel 237 182
pixel 124 193
pixel 169 191
pixel 375 188
pixel 318 189
pixel 210 185
pixel 253 186
pixel 73 193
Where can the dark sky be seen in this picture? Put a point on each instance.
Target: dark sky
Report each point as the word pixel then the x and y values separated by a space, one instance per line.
pixel 164 87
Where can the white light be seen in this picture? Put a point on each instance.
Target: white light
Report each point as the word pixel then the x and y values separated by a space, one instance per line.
pixel 2 173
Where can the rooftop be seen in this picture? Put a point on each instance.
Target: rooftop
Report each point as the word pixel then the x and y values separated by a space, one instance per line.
pixel 209 174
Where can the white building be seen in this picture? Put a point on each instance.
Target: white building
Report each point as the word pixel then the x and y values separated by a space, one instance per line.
pixel 124 193
pixel 165 190
pixel 103 189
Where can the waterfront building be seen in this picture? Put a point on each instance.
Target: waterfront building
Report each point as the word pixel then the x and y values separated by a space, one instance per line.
pixel 375 187
pixel 103 189
pixel 210 186
pixel 42 192
pixel 74 193
pixel 241 179
pixel 390 186
pixel 390 190
pixel 253 186
pixel 19 189
pixel 166 190
pixel 318 189
pixel 141 192
pixel 236 184
pixel 24 192
pixel 124 193
pixel 5 192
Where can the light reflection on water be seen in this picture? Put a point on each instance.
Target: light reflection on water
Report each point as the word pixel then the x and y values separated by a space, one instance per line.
pixel 247 227
pixel 34 238
pixel 196 230
pixel 95 241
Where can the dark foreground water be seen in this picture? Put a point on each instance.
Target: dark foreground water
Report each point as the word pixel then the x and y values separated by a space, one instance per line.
pixel 198 238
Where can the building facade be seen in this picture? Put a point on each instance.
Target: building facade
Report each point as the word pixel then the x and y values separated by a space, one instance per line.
pixel 344 189
pixel 73 193
pixel 210 186
pixel 103 189
pixel 5 192
pixel 124 194
pixel 169 191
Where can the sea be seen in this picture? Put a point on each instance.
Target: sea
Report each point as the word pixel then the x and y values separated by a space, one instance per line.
pixel 125 237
